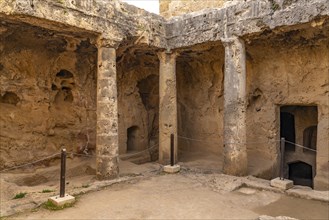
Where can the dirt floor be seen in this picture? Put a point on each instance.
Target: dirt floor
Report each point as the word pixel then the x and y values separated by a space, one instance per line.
pixel 187 195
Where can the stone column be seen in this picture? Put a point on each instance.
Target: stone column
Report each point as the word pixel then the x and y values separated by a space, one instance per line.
pixel 235 152
pixel 168 105
pixel 321 180
pixel 107 147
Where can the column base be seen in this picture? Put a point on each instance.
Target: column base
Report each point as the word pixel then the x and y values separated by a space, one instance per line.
pixel 236 165
pixel 61 201
pixel 171 169
pixel 107 168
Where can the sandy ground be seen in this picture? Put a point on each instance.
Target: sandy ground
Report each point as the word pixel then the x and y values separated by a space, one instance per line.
pixel 80 176
pixel 183 196
pixel 199 191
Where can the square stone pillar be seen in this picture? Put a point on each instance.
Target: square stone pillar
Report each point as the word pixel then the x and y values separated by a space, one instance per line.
pixel 235 152
pixel 321 180
pixel 168 105
pixel 107 146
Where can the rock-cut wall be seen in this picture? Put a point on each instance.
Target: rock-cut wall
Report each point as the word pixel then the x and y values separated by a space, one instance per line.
pixel 293 74
pixel 200 99
pixel 170 8
pixel 138 100
pixel 47 93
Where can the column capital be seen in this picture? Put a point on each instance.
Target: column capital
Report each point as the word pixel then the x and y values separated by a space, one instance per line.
pixel 105 42
pixel 168 54
pixel 228 41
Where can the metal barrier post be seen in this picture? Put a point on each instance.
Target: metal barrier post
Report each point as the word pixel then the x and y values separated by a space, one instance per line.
pixel 282 149
pixel 62 177
pixel 172 150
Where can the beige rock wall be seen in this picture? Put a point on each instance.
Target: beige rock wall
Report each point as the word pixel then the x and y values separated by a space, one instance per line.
pixel 200 99
pixel 293 73
pixel 48 92
pixel 138 91
pixel 170 8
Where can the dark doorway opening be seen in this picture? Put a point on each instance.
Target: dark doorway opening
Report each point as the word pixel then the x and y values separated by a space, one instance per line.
pixel 132 139
pixel 301 173
pixel 287 129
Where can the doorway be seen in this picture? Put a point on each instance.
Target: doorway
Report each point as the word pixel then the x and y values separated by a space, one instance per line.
pixel 287 129
pixel 301 173
pixel 132 139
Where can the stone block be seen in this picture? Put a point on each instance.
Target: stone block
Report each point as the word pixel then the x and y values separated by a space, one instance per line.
pixel 282 183
pixel 171 169
pixel 60 201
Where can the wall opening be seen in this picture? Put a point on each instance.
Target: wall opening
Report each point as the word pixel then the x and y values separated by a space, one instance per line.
pixel 65 74
pixel 200 106
pixel 132 139
pixel 301 173
pixel 138 102
pixel 287 129
pixel 63 84
pixel 309 137
pixel 299 126
pixel 9 98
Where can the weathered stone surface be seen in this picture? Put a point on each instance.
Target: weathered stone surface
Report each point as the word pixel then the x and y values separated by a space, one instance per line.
pixel 200 100
pixel 51 74
pixel 235 152
pixel 171 169
pixel 282 183
pixel 107 145
pixel 48 94
pixel 114 19
pixel 169 8
pixel 168 105
pixel 61 201
pixel 291 74
pixel 245 18
pixel 138 100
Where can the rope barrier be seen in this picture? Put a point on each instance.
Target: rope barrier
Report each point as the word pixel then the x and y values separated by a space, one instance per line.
pixel 148 149
pixel 123 155
pixel 132 154
pixel 301 146
pixel 200 140
pixel 269 141
pixel 193 139
pixel 82 155
pixel 31 163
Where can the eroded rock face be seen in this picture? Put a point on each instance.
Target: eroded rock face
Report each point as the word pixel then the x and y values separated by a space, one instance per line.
pixel 200 98
pixel 138 100
pixel 295 73
pixel 48 93
pixel 169 8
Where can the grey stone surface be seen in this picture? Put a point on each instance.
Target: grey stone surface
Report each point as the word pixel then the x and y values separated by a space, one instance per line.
pixel 168 105
pixel 242 19
pixel 107 147
pixel 235 152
